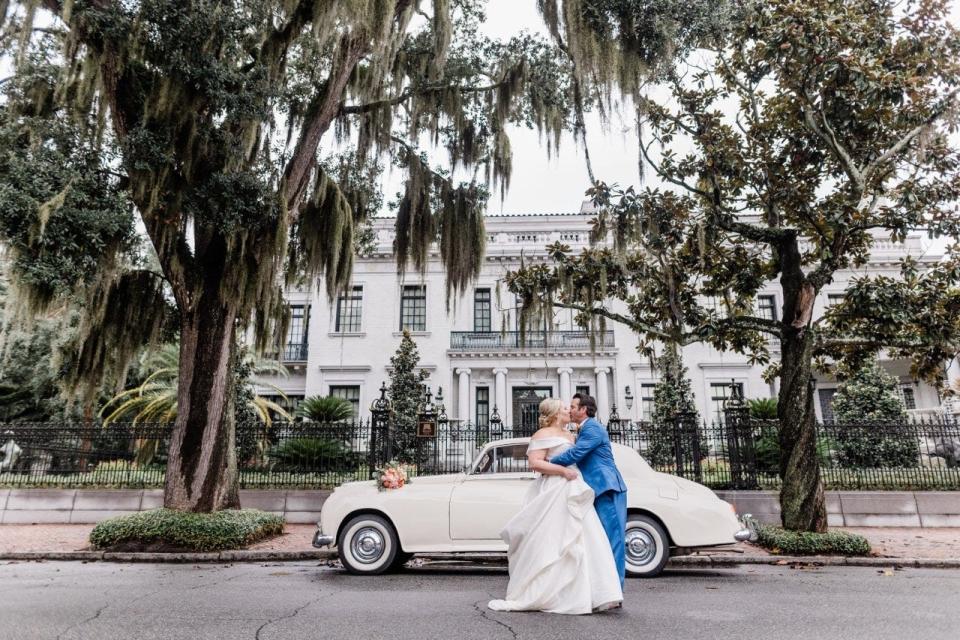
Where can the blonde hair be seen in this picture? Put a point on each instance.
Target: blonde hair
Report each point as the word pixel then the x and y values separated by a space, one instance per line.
pixel 549 408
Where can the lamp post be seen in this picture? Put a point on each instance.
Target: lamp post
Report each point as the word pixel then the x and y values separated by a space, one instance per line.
pixel 614 420
pixel 381 439
pixel 496 423
pixel 628 397
pixel 442 418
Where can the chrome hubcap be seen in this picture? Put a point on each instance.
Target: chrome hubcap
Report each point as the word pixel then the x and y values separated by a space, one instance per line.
pixel 641 547
pixel 367 545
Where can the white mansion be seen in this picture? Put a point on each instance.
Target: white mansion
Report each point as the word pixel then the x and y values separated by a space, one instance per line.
pixel 344 349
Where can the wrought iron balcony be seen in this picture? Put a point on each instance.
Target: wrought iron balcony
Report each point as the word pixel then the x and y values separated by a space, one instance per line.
pixel 510 340
pixel 294 352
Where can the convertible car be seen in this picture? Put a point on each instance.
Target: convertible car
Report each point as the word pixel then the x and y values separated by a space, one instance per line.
pixel 376 531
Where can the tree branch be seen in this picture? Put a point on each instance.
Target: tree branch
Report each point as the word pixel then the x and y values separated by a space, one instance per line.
pixel 637 327
pixel 409 92
pixel 826 134
pixel 907 139
pixel 752 323
pixel 320 114
pixel 644 150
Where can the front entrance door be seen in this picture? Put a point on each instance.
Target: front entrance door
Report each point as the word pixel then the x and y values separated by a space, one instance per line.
pixel 526 408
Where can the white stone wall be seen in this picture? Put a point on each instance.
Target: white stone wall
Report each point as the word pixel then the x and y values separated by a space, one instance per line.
pixel 363 358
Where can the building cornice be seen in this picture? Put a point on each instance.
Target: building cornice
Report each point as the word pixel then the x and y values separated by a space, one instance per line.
pixel 524 355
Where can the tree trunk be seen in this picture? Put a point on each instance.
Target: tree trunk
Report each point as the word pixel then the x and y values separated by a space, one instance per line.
pixel 802 503
pixel 802 506
pixel 202 466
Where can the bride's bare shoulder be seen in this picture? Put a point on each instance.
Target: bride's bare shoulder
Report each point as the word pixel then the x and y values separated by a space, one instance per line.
pixel 543 434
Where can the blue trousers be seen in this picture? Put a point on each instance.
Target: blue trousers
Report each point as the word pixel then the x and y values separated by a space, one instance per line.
pixel 611 506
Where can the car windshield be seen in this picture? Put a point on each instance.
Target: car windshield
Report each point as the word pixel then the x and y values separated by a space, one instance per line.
pixel 510 458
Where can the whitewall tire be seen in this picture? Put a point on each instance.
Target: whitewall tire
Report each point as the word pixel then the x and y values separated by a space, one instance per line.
pixel 646 546
pixel 368 545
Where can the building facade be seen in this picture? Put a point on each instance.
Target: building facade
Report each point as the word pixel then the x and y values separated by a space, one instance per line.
pixel 474 355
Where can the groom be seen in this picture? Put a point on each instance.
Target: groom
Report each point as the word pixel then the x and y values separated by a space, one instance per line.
pixel 594 458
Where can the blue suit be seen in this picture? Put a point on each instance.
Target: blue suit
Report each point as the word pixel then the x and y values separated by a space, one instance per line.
pixel 593 456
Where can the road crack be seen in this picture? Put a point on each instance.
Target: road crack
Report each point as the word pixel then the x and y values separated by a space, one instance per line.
pixel 482 610
pixel 83 622
pixel 286 617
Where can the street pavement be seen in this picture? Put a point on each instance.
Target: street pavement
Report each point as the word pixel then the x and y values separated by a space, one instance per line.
pixel 311 600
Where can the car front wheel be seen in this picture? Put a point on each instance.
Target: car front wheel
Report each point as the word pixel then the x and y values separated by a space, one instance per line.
pixel 646 545
pixel 368 545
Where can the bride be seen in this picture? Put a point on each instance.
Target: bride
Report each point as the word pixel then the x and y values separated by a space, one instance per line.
pixel 560 558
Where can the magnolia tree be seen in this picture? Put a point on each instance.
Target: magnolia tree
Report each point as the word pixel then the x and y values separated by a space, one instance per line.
pixel 818 128
pixel 244 138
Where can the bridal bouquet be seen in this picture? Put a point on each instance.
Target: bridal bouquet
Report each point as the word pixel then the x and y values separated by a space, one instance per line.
pixel 392 476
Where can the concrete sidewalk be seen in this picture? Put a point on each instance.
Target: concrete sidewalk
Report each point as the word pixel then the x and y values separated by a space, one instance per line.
pixel 887 542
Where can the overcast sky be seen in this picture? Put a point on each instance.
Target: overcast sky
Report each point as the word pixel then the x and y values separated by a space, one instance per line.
pixel 539 184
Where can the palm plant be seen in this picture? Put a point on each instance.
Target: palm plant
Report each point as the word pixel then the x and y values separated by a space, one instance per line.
pixel 763 408
pixel 326 409
pixel 155 399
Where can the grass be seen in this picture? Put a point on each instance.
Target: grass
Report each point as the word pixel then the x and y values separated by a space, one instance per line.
pixel 804 543
pixel 165 529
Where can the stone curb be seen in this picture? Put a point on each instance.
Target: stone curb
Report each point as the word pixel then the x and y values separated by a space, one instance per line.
pixel 319 554
pixel 827 561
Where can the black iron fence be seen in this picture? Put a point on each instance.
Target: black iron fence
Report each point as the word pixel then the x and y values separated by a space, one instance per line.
pixel 737 453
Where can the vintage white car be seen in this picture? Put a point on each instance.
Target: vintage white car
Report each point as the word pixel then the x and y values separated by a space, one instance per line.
pixel 376 531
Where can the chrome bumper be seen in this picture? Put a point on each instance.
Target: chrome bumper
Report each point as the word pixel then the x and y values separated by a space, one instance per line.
pixel 321 540
pixel 748 532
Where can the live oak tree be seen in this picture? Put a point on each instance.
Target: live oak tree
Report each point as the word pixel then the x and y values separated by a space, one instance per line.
pixel 204 119
pixel 820 127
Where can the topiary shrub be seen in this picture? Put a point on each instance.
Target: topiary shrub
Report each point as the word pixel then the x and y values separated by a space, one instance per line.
pixel 871 427
pixel 806 543
pixel 673 396
pixel 169 530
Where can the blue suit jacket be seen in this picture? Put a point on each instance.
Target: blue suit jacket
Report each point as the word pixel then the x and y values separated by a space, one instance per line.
pixel 594 458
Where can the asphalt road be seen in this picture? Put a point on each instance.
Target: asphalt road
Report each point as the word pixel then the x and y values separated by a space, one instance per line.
pixel 307 600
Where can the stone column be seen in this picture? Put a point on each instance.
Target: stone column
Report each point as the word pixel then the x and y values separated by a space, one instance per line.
pixel 603 394
pixel 565 390
pixel 463 395
pixel 500 391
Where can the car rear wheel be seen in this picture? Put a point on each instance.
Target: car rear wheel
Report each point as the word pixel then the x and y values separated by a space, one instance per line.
pixel 646 545
pixel 368 545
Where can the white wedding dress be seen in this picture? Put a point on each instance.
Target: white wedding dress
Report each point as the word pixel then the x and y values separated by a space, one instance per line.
pixel 560 557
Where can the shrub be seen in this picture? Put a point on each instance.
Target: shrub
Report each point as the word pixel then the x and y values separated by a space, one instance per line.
pixel 763 408
pixel 806 543
pixel 326 409
pixel 673 397
pixel 871 422
pixel 313 453
pixel 228 529
pixel 766 447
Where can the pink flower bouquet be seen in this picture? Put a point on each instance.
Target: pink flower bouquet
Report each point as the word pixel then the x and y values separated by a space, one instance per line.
pixel 391 476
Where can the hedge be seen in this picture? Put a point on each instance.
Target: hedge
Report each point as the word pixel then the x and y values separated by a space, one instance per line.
pixel 806 543
pixel 228 529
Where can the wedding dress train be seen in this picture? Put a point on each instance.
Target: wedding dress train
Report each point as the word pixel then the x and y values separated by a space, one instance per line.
pixel 560 557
